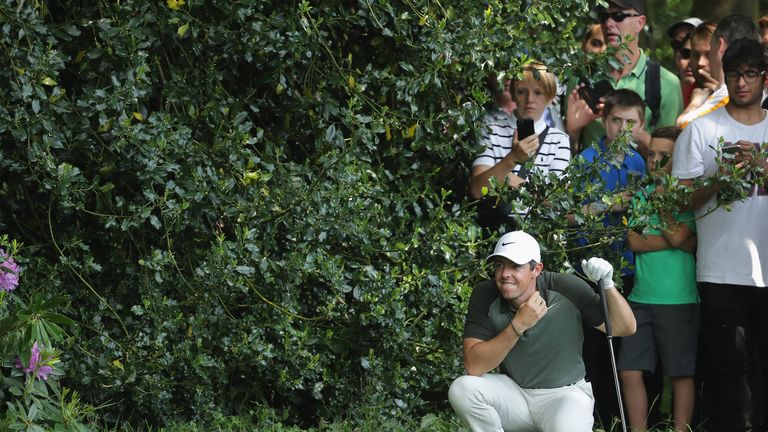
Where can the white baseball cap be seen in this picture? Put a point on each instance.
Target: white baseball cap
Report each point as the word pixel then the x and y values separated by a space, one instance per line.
pixel 518 247
pixel 692 21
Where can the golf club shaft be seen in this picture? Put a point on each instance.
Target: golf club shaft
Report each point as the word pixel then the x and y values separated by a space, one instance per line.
pixel 608 333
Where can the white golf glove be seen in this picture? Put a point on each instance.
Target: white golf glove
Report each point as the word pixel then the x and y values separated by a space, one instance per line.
pixel 598 269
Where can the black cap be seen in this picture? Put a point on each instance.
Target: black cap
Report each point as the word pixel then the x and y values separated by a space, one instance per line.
pixel 638 5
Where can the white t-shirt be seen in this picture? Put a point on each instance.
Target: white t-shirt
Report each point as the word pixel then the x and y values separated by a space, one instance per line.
pixel 733 245
pixel 715 101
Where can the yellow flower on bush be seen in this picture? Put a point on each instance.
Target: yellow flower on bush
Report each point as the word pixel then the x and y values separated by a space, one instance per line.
pixel 175 4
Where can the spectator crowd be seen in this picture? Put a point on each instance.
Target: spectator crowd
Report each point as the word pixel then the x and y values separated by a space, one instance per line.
pixel 694 306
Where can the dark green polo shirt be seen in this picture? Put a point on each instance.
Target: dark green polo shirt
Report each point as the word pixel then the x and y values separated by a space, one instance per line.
pixel 548 355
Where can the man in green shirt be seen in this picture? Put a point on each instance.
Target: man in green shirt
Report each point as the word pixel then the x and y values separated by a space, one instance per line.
pixel 622 22
pixel 528 323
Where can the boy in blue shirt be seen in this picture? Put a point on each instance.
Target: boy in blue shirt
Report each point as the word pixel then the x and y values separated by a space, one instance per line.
pixel 624 110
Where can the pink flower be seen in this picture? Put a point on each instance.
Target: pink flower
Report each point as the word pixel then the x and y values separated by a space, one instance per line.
pixel 43 372
pixel 37 365
pixel 34 359
pixel 9 272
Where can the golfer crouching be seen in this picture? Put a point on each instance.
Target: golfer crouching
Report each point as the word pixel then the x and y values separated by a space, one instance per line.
pixel 528 322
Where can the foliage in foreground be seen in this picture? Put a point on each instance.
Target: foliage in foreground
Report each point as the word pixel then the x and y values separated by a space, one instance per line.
pixel 252 202
pixel 261 202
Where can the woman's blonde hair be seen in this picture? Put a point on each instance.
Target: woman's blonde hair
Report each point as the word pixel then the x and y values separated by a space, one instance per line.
pixel 538 71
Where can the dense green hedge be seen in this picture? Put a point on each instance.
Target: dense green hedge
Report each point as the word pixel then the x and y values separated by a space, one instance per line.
pixel 256 202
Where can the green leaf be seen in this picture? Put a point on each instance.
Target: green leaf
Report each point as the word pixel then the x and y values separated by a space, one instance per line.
pixel 246 270
pixel 182 30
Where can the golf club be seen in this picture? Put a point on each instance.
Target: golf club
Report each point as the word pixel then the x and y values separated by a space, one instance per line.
pixel 601 289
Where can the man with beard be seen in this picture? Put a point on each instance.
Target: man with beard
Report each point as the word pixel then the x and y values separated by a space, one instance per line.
pixel 528 322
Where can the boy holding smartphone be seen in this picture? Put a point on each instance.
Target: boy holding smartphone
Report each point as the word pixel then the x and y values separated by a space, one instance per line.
pixel 507 147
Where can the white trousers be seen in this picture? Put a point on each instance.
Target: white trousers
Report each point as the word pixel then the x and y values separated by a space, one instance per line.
pixel 494 402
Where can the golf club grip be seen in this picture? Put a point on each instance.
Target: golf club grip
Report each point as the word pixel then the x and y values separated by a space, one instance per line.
pixel 601 291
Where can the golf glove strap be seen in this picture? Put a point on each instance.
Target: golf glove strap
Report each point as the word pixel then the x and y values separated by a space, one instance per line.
pixel 598 269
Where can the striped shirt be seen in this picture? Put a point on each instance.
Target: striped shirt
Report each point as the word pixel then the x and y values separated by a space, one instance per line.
pixel 496 137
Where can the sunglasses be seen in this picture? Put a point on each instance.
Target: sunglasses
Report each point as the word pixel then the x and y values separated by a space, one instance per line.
pixel 684 53
pixel 615 16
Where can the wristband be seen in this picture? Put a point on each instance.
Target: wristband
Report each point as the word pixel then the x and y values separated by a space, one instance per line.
pixel 512 324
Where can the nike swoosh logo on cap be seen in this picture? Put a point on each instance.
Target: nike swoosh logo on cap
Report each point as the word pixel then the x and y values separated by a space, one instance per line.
pixel 504 244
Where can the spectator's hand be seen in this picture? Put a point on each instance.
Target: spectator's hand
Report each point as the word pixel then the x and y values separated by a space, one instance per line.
pixel 747 152
pixel 741 158
pixel 708 83
pixel 525 149
pixel 598 269
pixel 699 95
pixel 579 114
pixel 530 312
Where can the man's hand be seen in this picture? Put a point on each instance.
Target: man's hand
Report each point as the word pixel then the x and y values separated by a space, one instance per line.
pixel 747 152
pixel 699 95
pixel 579 114
pixel 598 269
pixel 706 82
pixel 742 156
pixel 529 313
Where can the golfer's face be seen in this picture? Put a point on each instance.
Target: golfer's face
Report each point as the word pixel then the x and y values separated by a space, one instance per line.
pixel 514 281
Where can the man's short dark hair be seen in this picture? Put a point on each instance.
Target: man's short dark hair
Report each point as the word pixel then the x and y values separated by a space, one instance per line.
pixel 624 98
pixel 745 52
pixel 667 132
pixel 735 27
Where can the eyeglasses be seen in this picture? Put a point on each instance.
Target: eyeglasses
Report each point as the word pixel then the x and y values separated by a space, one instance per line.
pixel 615 16
pixel 750 76
pixel 684 53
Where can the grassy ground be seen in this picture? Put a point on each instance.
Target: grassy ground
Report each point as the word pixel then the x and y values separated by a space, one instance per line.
pixel 444 422
pixel 363 420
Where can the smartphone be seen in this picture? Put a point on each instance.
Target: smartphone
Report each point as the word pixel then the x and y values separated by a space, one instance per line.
pixel 731 148
pixel 524 128
pixel 592 93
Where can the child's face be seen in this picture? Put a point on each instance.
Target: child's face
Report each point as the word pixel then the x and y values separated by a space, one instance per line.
pixel 619 119
pixel 659 160
pixel 530 98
